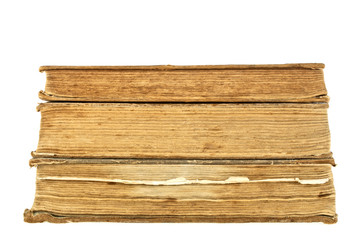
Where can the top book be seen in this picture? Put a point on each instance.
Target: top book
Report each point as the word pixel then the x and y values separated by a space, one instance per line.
pixel 207 83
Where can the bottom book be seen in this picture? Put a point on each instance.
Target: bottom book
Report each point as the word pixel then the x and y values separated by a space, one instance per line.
pixel 182 191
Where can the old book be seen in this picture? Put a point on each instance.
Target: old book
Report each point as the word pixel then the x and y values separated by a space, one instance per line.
pixel 193 192
pixel 184 131
pixel 231 143
pixel 224 83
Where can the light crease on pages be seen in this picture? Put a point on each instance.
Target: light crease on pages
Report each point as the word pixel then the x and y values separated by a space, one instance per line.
pixel 184 181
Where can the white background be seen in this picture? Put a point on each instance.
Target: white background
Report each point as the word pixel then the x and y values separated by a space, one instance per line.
pixel 35 33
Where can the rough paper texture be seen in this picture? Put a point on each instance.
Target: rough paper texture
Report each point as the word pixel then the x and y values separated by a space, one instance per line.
pixel 227 83
pixel 184 131
pixel 239 191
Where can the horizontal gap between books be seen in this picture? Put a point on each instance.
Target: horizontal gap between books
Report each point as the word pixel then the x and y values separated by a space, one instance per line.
pixel 43 160
pixel 162 102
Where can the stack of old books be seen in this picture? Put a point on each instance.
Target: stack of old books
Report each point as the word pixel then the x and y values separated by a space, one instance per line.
pixel 230 143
